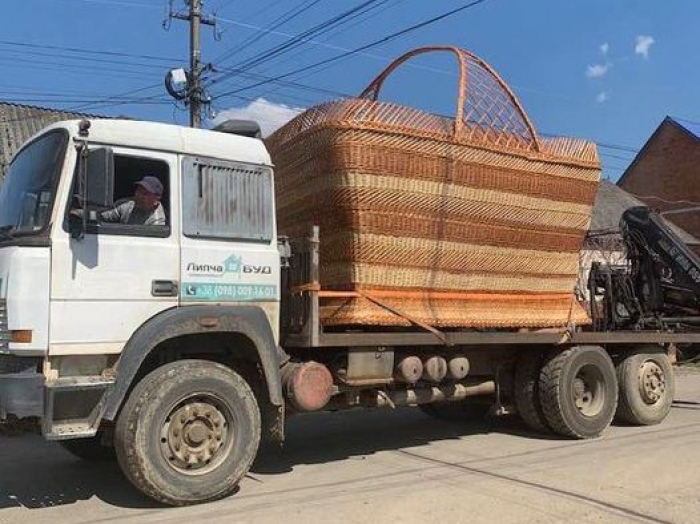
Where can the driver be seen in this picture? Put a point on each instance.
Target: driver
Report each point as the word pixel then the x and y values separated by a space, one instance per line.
pixel 143 209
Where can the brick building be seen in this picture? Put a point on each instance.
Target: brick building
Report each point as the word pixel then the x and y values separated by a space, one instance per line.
pixel 665 175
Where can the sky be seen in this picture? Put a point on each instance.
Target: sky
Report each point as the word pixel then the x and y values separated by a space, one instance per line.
pixel 604 70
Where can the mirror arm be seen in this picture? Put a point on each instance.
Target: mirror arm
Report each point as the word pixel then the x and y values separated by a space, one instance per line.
pixel 83 153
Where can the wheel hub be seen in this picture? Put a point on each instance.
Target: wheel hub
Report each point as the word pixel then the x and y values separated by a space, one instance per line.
pixel 588 391
pixel 652 382
pixel 195 437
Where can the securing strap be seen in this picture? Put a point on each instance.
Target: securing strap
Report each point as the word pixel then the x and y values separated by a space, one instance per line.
pixel 362 294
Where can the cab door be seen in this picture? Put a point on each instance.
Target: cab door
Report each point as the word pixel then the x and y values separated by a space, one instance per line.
pixel 106 285
pixel 229 245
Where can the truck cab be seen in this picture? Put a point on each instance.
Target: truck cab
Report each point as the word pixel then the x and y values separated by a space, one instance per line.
pixel 74 289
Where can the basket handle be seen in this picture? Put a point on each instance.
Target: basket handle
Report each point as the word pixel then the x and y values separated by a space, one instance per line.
pixel 463 59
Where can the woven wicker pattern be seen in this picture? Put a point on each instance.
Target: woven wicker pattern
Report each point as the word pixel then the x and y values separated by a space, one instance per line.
pixel 472 221
pixel 488 312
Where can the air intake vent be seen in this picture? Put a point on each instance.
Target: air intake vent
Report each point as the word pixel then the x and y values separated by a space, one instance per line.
pixel 240 127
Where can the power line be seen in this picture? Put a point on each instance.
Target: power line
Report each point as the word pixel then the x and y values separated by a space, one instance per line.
pixel 617 147
pixel 88 51
pixel 312 41
pixel 223 6
pixel 386 39
pixel 63 68
pixel 289 83
pixel 86 59
pixel 380 8
pixel 287 16
pixel 267 8
pixel 120 3
pixel 297 40
pixel 610 155
pixel 126 93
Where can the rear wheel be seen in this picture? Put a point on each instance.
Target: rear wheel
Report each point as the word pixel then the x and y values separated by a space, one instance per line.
pixel 578 391
pixel 188 433
pixel 458 411
pixel 647 387
pixel 526 390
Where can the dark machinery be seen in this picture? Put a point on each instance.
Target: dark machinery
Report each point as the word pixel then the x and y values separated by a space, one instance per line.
pixel 659 286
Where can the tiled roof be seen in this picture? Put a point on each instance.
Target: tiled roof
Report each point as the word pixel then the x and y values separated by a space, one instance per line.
pixel 611 201
pixel 20 122
pixel 688 126
pixel 691 127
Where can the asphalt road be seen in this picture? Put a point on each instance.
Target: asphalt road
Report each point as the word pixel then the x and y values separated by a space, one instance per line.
pixel 397 466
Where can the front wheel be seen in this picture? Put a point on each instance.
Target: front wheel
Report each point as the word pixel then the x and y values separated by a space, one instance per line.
pixel 647 386
pixel 188 433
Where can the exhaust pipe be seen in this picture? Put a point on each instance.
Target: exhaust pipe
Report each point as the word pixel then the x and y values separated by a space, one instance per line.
pixel 448 393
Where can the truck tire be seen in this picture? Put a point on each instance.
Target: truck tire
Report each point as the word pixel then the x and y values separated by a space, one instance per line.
pixel 458 411
pixel 647 386
pixel 526 390
pixel 89 449
pixel 188 432
pixel 578 391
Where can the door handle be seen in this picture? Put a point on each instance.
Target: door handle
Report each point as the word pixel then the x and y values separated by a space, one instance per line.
pixel 164 288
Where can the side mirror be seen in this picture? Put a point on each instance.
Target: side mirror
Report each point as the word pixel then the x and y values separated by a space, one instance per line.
pixel 96 187
pixel 75 226
pixel 100 179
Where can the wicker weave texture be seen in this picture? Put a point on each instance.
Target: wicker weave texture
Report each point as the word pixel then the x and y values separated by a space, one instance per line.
pixel 464 222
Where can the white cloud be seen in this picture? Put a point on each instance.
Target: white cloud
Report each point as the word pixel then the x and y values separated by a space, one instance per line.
pixel 604 48
pixel 597 70
pixel 269 115
pixel 602 97
pixel 643 44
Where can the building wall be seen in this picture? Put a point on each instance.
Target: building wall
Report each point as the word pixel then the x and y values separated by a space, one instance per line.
pixel 668 170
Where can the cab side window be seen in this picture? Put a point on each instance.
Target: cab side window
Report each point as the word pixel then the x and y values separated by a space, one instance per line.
pixel 136 201
pixel 141 192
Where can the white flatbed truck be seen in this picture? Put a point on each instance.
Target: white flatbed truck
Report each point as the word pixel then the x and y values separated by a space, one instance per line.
pixel 179 347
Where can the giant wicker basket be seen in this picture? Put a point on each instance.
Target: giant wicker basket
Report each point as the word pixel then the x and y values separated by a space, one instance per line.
pixel 472 221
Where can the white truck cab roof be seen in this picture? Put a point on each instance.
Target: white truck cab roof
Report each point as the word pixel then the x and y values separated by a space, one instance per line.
pixel 171 138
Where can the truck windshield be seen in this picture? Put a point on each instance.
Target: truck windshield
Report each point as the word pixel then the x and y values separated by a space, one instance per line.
pixel 28 189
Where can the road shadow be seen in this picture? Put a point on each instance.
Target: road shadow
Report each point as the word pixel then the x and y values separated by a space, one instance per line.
pixel 331 437
pixel 38 474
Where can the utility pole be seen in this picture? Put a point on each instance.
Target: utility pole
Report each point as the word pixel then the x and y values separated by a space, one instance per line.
pixel 195 59
pixel 194 94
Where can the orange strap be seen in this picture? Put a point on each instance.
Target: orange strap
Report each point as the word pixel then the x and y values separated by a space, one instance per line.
pixel 439 334
pixel 440 295
pixel 296 290
pixel 361 294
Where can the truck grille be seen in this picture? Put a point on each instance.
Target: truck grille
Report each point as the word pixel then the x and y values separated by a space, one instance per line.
pixel 4 331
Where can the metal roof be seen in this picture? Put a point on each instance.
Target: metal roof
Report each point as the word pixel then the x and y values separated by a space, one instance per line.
pixel 20 122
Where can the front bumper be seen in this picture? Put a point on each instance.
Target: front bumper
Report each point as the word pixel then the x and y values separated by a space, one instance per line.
pixel 21 387
pixel 69 407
